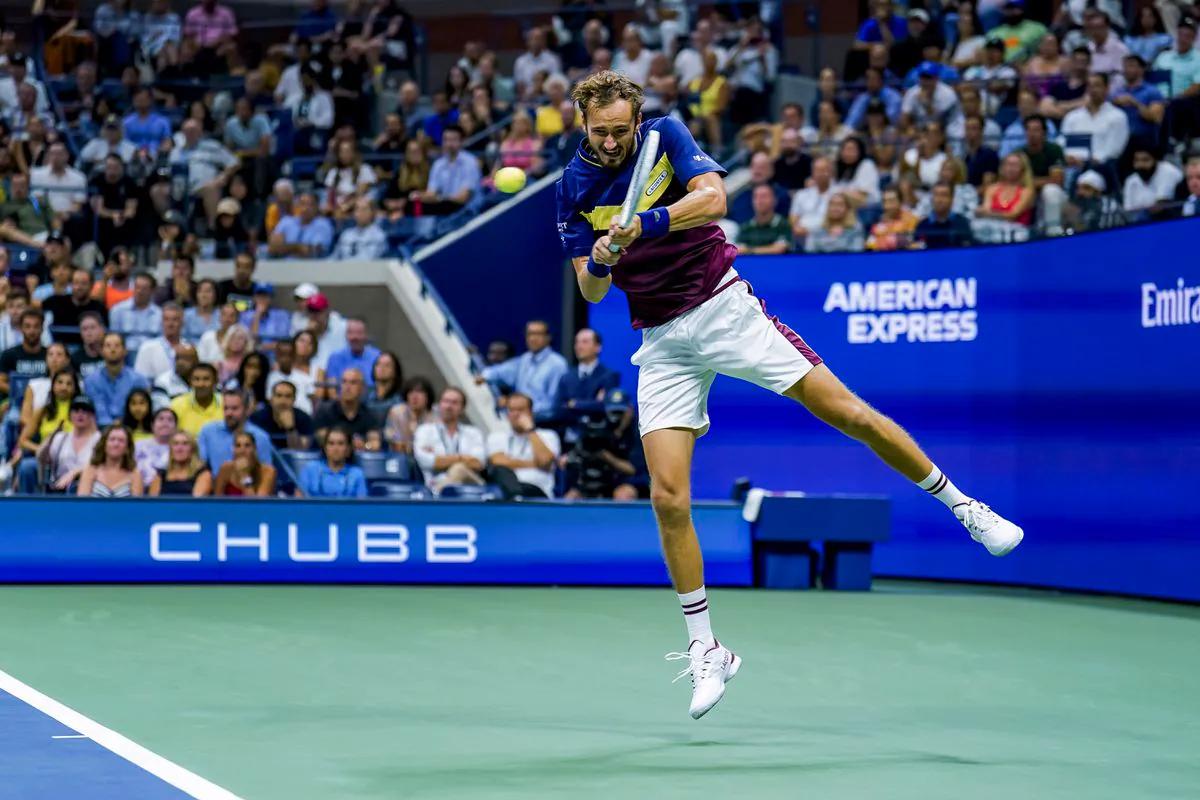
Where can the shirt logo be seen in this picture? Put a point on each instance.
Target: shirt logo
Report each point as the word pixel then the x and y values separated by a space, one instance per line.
pixel 657 182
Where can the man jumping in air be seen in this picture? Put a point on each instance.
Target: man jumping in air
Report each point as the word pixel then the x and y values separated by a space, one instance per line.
pixel 699 318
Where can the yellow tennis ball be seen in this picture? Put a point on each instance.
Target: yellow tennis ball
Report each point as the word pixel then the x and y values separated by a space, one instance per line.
pixel 510 179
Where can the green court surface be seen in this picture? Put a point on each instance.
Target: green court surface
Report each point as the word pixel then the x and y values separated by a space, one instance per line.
pixel 365 693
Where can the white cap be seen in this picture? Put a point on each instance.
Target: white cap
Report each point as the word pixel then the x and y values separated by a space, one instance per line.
pixel 1093 179
pixel 305 291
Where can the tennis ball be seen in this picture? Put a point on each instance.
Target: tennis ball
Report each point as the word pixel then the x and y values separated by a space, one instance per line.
pixel 510 179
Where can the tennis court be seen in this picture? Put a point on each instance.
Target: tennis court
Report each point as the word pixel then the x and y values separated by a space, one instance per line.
pixel 913 690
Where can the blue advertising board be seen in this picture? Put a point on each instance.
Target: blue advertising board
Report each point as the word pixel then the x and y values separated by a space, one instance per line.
pixel 327 541
pixel 1059 381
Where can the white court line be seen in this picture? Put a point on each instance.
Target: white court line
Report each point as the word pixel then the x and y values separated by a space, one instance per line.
pixel 114 742
pixel 71 736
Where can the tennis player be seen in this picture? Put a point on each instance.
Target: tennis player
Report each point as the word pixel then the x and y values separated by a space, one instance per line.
pixel 699 319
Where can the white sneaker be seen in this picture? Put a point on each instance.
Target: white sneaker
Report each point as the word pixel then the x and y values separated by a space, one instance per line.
pixel 710 669
pixel 988 528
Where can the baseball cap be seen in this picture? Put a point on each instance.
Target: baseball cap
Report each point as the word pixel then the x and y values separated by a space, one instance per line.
pixel 82 402
pixel 112 121
pixel 318 302
pixel 305 291
pixel 1093 179
pixel 928 69
pixel 918 13
pixel 56 238
pixel 229 205
pixel 264 288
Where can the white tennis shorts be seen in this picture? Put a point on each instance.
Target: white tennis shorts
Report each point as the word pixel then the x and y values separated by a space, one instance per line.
pixel 728 334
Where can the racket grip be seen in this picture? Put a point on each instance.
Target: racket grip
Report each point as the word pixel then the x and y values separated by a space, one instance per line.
pixel 614 248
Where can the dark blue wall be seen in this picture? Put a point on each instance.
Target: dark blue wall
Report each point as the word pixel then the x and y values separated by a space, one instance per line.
pixel 1063 412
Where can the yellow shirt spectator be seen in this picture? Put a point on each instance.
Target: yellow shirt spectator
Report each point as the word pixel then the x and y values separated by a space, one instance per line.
pixel 192 417
pixel 710 98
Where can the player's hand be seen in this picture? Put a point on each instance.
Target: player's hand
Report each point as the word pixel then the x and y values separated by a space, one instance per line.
pixel 623 237
pixel 602 255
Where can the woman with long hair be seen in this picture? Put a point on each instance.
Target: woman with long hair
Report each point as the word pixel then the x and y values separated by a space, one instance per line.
pixel 52 417
pixel 924 162
pixel 234 348
pixel 1007 208
pixel 388 378
pixel 203 315
pixel 335 476
pixel 855 175
pixel 416 410
pixel 151 454
pixel 840 232
pixel 1148 36
pixel 966 198
pixel 245 475
pixel 831 130
pixel 305 345
pixel 346 180
pixel 185 474
pixel 968 46
pixel 252 377
pixel 112 471
pixel 894 229
pixel 138 418
pixel 412 177
pixel 30 151
pixel 521 147
pixel 457 82
pixel 1047 63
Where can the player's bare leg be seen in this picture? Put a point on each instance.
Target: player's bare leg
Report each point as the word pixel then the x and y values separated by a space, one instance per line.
pixel 830 401
pixel 710 665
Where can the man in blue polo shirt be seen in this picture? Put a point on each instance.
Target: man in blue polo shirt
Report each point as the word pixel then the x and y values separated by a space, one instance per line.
pixel 883 26
pixel 144 127
pixel 358 354
pixel 304 234
pixel 1142 103
pixel 453 178
pixel 216 438
pixel 110 386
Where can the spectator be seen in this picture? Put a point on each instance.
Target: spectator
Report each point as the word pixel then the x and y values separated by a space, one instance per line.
pixel 969 41
pixel 1191 204
pixel 404 418
pixel 289 83
pixel 712 92
pixel 689 60
pixel 754 64
pixel 810 203
pixel 334 476
pixel 411 180
pixel 67 452
pixel 1148 36
pixel 112 472
pixel 287 369
pixel 1046 65
pixel 830 131
pixel 161 33
pixel 875 90
pixel 346 84
pixel 1027 106
pixel 26 360
pixel 1067 95
pixel 412 106
pixel 358 353
pixel 60 185
pixel 1142 103
pixel 19 66
pixel 857 175
pixel 201 405
pixel 304 234
pixel 454 177
pixel 247 473
pixel 87 357
pixel 924 162
pixel 109 387
pixel 281 204
pixel 185 474
pixel 498 352
pixel 214 28
pixel 883 27
pixel 521 147
pixel 209 165
pixel 24 221
pixel 137 318
pixel 152 453
pixel 145 128
pixel 266 324
pixel 1108 51
pixel 449 451
pixel 522 462
pixel 157 356
pixel 117 285
pixel 288 427
pixel 971 103
pixel 1151 185
pixel 943 227
pixel 182 287
pixel 1183 62
pixel 762 173
pixel 390 37
pixel 137 416
pixel 312 113
pixel 236 345
pixel 59 285
pixel 1045 157
pixel 239 290
pixel 633 59
pixel 1007 208
pixel 930 100
pixel 840 231
pixel 1093 209
pixel 392 140
pixel 350 411
pixel 44 419
pixel 923 43
pixel 300 297
pixel 114 203
pixel 536 58
pixel 793 168
pixel 1019 35
pixel 384 388
pixel 216 439
pixel 347 180
pixel 366 240
pixel 173 383
pixel 590 381
pixel 998 79
pixel 954 174
pixel 1105 123
pixel 228 232
pixel 251 378
pixel 894 229
pixel 443 116
pixel 981 160
pixel 30 149
pixel 329 328
pixel 535 373
pixel 110 141
pixel 209 347
pixel 767 232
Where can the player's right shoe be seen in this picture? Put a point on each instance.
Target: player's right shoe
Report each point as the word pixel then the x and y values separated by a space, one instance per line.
pixel 988 528
pixel 710 669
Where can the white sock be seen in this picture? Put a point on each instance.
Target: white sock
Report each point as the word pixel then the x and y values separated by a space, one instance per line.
pixel 695 614
pixel 938 485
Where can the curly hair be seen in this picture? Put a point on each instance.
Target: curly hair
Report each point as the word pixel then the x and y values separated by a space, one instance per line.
pixel 605 88
pixel 100 452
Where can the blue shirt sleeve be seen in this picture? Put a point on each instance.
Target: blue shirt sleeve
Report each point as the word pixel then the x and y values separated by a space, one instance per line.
pixel 308 480
pixel 686 157
pixel 869 31
pixel 358 483
pixel 505 372
pixel 574 231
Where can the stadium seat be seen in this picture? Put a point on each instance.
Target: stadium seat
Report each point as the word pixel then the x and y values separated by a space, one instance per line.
pixel 399 491
pixel 385 467
pixel 480 493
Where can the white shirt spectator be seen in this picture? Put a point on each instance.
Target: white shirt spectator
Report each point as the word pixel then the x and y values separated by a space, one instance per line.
pixel 1107 58
pixel 8 94
pixel 304 383
pixel 154 357
pixel 39 393
pixel 170 384
pixel 137 325
pixel 317 109
pixel 927 169
pixel 956 132
pixel 208 159
pixel 527 66
pixel 944 107
pixel 636 69
pixel 65 458
pixel 809 205
pixel 98 148
pixel 362 243
pixel 984 75
pixel 432 440
pixel 865 179
pixel 289 84
pixel 689 63
pixel 208 349
pixel 1109 129
pixel 1140 194
pixel 332 340
pixel 518 446
pixel 344 181
pixel 150 455
pixel 62 191
pixel 755 71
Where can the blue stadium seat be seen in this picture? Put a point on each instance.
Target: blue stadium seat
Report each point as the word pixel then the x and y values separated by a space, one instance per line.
pixel 389 467
pixel 399 491
pixel 480 493
pixel 297 460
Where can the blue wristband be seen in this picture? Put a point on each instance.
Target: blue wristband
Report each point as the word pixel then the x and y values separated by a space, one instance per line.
pixel 655 222
pixel 599 270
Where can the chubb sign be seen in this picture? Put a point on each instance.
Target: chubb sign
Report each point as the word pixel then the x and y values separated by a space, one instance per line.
pixel 886 312
pixel 368 544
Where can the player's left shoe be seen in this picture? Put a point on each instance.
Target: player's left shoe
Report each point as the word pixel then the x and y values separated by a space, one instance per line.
pixel 988 528
pixel 710 669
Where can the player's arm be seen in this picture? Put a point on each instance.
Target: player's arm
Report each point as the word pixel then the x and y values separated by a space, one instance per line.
pixel 593 287
pixel 703 203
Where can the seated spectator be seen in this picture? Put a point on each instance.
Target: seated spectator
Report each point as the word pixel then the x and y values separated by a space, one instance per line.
pixel 229 233
pixel 239 289
pixel 55 262
pixel 118 283
pixel 303 235
pixel 549 121
pixel 590 381
pixel 968 44
pixel 444 115
pixel 1013 138
pixel 856 175
pixel 137 318
pixel 247 135
pixel 23 361
pixel 66 453
pixel 1107 48
pixel 153 452
pixel 404 418
pixel 536 373
pixel 201 405
pixel 454 177
pixel 137 416
pixel 210 348
pixel 965 199
pixel 1046 164
pixel 449 451
pixel 312 113
pixel 266 324
pixel 923 43
pixel 1007 208
pixel 1019 35
pixel 216 439
pixel 536 58
pixel 929 101
pixel 831 131
pixel 172 383
pixel 384 389
pixel 157 356
pixel 32 398
pixel 1183 63
pixel 392 140
pixel 633 58
pixel 762 173
pixel 251 378
pixel 111 472
pixel 998 79
pixel 110 141
pixel 943 227
pixel 285 424
pixel 1151 186
pixel 62 187
pixel 793 168
pixel 358 353
pixel 87 357
pixel 283 194
pixel 767 232
pixel 236 345
pixel 300 297
pixel 202 316
pixel 51 415
pixel 346 181
pixel 931 48
pixel 522 462
pixel 712 93
pixel 23 220
pixel 810 203
pixel 856 117
pixel 924 162
pixel 334 476
pixel 1105 123
pixel 329 328
pixel 185 474
pixel 1147 35
pixel 894 229
pixel 366 239
pixel 982 161
pixel 971 102
pixel 1093 209
pixel 288 369
pixel 109 387
pixel 1068 94
pixel 1143 104
pixel 349 411
pixel 1191 204
pixel 521 147
pixel 840 232
pixel 412 178
pixel 753 65
pixel 209 165
pixel 145 128
pixel 882 27
pixel 182 286
pixel 246 474
pixel 1047 64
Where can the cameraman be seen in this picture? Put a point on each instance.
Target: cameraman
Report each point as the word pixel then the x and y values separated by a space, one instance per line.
pixel 607 460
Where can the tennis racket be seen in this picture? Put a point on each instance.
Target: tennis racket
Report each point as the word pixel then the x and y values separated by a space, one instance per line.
pixel 637 184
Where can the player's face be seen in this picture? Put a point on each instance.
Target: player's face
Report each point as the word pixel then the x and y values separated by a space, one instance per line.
pixel 610 132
